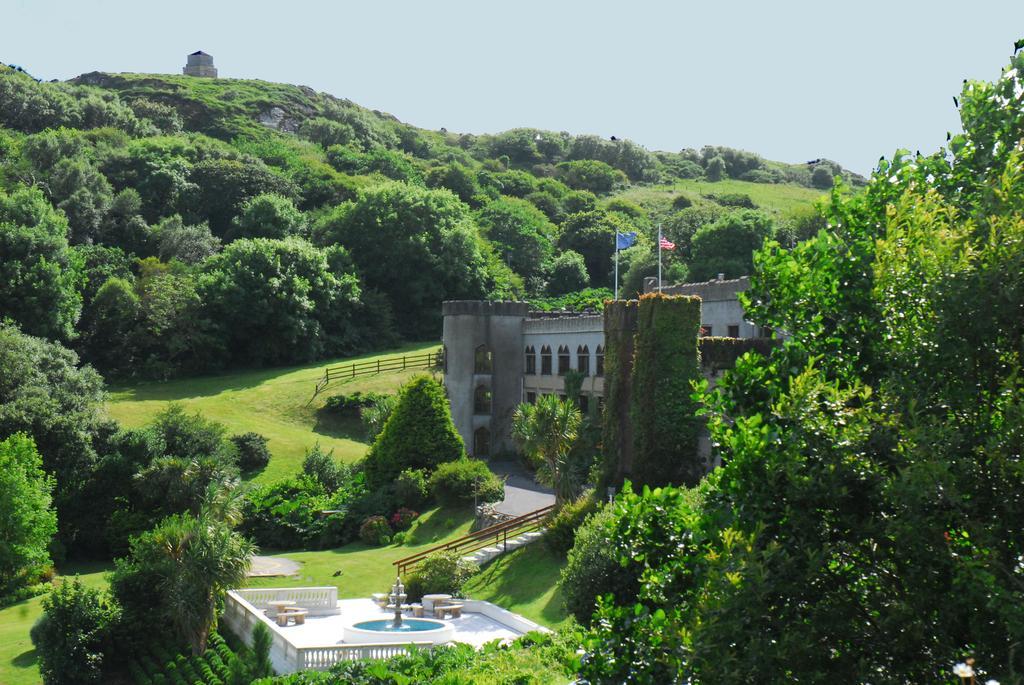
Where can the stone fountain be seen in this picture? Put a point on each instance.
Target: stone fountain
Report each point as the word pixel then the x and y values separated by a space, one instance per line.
pixel 397 598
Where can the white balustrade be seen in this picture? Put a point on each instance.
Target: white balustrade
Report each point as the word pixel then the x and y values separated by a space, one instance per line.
pixel 317 600
pixel 322 658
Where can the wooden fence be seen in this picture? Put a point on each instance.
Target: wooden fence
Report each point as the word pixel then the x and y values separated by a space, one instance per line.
pixel 426 360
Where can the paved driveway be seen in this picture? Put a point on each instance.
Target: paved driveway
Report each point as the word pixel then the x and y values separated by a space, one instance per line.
pixel 522 493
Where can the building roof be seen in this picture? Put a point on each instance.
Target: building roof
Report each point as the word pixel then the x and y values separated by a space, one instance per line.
pixel 712 290
pixel 200 52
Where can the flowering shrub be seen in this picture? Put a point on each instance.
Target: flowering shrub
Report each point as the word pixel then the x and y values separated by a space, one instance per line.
pixel 403 518
pixel 375 531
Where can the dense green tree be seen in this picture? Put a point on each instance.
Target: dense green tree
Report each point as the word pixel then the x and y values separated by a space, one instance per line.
pixel 727 246
pixel 27 519
pixel 869 498
pixel 221 187
pixel 173 240
pixel 457 178
pixel 547 203
pixel 735 163
pixel 636 162
pixel 277 301
pixel 520 233
pixel 513 183
pixel 518 144
pixel 44 394
pixel 592 234
pixel 821 177
pixel 418 434
pixel 28 106
pixel 39 276
pixel 108 324
pixel 417 246
pixel 568 274
pixel 124 226
pixel 84 195
pixel 715 169
pixel 326 132
pixel 74 635
pixel 643 264
pixel 173 334
pixel 99 264
pixel 589 174
pixel 579 201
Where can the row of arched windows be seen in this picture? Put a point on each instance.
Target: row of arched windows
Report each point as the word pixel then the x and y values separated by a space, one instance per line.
pixel 564 360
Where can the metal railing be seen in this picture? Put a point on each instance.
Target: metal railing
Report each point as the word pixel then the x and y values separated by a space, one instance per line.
pixel 492 535
pixel 426 360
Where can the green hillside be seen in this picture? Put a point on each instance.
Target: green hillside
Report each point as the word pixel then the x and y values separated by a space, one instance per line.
pixel 277 403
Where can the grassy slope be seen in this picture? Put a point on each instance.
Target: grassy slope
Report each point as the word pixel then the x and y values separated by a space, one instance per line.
pixel 781 198
pixel 18 665
pixel 272 402
pixel 365 569
pixel 523 581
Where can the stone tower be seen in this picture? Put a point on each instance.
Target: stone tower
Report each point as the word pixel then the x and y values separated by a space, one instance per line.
pixel 483 347
pixel 200 64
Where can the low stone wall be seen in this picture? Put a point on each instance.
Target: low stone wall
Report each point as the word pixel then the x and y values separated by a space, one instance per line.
pixel 496 613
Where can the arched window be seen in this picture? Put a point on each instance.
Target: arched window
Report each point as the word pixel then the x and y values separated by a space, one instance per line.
pixel 482 400
pixel 481 442
pixel 482 360
pixel 545 361
pixel 599 361
pixel 583 360
pixel 531 361
pixel 563 360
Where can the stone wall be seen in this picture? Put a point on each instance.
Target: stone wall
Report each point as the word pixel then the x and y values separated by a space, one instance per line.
pixel 498 326
pixel 720 306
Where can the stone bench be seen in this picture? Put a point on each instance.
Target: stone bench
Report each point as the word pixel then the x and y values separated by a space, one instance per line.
pixel 298 615
pixel 453 610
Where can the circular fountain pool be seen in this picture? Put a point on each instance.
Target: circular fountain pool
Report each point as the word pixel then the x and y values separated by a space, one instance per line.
pixel 411 630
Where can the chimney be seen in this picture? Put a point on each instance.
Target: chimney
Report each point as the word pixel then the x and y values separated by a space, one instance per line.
pixel 721 277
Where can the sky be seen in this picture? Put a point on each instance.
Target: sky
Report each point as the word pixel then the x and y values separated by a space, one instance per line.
pixel 792 81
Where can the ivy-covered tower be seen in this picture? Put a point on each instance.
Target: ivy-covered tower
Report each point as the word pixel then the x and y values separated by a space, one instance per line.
pixel 650 426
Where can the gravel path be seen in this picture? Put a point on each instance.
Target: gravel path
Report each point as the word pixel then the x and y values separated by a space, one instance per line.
pixel 268 567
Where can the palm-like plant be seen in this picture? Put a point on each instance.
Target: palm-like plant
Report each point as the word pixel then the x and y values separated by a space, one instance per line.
pixel 201 557
pixel 547 431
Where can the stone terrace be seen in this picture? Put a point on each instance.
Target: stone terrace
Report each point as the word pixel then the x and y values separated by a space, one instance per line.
pixel 318 643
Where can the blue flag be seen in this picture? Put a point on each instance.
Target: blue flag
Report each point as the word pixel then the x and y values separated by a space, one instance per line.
pixel 624 240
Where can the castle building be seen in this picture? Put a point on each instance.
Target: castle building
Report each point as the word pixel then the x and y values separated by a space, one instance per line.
pixel 200 64
pixel 500 354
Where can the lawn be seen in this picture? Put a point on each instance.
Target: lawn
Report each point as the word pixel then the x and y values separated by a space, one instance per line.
pixel 523 581
pixel 18 664
pixel 782 198
pixel 273 402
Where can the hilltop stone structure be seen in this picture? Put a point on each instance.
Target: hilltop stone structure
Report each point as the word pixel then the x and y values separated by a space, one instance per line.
pixel 499 354
pixel 200 64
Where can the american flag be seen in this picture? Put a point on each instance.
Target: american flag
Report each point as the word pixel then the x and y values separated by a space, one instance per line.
pixel 666 244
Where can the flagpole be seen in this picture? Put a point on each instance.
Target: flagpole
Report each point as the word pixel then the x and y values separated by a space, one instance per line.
pixel 616 265
pixel 659 258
